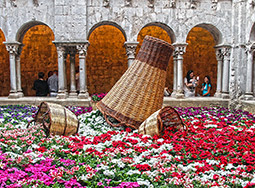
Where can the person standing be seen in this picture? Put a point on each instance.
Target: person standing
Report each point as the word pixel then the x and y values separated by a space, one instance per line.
pixel 53 84
pixel 41 86
pixel 190 84
pixel 206 86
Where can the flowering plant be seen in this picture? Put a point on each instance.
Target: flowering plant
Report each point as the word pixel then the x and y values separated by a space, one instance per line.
pixel 217 151
pixel 97 96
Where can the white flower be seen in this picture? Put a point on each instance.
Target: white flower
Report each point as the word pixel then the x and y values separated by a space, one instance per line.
pixel 131 172
pixel 144 182
pixel 108 173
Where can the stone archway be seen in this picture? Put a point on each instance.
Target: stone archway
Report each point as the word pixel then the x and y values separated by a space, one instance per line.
pixel 5 67
pixel 200 55
pixel 106 58
pixel 162 32
pixel 38 54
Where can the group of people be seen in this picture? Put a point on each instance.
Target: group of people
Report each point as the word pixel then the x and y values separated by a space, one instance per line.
pixel 48 86
pixel 190 83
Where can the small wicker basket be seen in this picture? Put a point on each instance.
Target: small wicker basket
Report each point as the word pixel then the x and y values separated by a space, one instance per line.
pixel 140 90
pixel 56 119
pixel 160 120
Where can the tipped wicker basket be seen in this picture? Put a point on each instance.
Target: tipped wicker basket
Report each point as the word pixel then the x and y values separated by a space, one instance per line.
pixel 160 120
pixel 140 90
pixel 56 119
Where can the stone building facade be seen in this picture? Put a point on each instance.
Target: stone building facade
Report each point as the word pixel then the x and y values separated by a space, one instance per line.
pixel 230 22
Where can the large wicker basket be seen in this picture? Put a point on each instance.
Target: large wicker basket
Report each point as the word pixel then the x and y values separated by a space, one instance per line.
pixel 160 120
pixel 56 119
pixel 140 90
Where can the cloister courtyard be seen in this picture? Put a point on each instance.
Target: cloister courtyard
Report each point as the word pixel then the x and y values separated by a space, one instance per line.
pixel 100 40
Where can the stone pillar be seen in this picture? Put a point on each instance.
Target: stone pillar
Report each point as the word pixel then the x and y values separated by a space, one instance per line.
pixel 175 76
pixel 249 74
pixel 180 49
pixel 82 50
pixel 12 48
pixel 219 58
pixel 226 74
pixel 18 72
pixel 61 72
pixel 65 79
pixel 72 52
pixel 130 51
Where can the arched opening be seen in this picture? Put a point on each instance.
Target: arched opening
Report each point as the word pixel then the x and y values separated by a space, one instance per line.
pixel 106 60
pixel 5 67
pixel 200 56
pixel 38 55
pixel 158 32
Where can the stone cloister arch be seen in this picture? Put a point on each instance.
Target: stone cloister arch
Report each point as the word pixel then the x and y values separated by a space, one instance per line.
pixel 220 56
pixel 200 56
pixel 163 32
pixel 38 55
pixel 5 68
pixel 106 59
pixel 20 55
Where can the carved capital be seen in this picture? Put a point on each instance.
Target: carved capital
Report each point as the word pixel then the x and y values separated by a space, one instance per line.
pixel 219 55
pixel 12 47
pixel 130 49
pixel 82 49
pixel 226 51
pixel 61 51
pixel 180 49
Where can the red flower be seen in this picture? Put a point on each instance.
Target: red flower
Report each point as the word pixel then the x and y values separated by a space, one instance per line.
pixel 42 149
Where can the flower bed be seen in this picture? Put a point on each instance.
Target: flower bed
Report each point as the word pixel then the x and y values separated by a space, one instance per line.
pixel 217 151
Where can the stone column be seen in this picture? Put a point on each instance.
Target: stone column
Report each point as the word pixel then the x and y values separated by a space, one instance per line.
pixel 219 58
pixel 175 76
pixel 249 74
pixel 82 50
pixel 12 48
pixel 18 72
pixel 65 79
pixel 180 49
pixel 72 52
pixel 61 72
pixel 226 74
pixel 130 51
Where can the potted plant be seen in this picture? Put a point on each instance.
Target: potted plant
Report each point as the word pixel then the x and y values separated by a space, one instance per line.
pixel 95 98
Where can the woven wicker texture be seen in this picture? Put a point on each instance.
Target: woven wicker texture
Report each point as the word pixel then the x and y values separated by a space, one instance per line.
pixel 139 92
pixel 56 119
pixel 160 120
